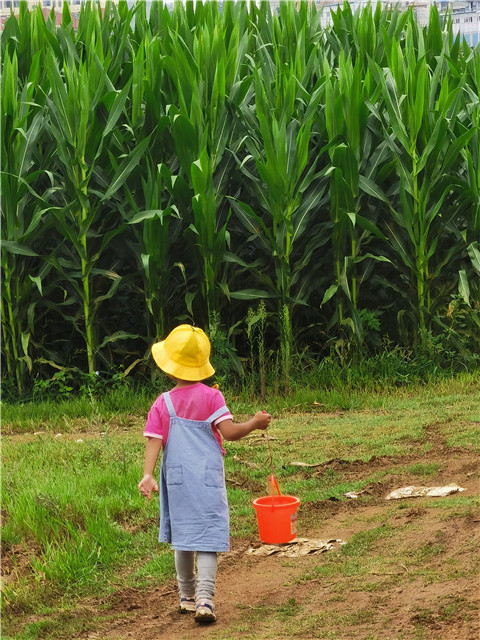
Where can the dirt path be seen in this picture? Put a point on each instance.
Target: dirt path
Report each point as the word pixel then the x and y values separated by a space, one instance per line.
pixel 419 581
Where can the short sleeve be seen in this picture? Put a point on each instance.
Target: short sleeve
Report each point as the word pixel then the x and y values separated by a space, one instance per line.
pixel 219 401
pixel 156 425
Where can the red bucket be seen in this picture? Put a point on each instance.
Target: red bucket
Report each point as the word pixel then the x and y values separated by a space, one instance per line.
pixel 276 516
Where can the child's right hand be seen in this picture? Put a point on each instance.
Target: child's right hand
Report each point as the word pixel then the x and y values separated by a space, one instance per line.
pixel 146 485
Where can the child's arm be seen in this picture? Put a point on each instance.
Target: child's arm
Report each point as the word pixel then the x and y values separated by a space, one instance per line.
pixel 148 483
pixel 235 430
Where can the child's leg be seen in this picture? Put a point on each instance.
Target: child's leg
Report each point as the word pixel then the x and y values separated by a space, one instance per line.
pixel 207 571
pixel 185 566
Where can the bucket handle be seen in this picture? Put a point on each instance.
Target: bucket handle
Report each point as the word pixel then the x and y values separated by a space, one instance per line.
pixel 273 484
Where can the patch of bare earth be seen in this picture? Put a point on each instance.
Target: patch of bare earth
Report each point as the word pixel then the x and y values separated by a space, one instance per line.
pixel 433 594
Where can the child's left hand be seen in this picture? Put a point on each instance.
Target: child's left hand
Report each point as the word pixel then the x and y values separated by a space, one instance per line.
pixel 262 419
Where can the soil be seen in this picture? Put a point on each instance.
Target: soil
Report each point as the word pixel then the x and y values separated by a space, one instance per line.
pixel 248 584
pixel 396 601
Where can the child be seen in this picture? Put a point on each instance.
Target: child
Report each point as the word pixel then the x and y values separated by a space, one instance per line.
pixel 187 422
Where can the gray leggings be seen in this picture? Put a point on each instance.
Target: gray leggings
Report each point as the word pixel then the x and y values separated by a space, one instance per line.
pixel 202 586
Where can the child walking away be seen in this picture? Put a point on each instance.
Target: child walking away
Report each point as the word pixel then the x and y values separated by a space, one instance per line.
pixel 188 422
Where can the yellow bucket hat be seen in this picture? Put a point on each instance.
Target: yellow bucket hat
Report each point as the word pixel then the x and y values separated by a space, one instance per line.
pixel 184 354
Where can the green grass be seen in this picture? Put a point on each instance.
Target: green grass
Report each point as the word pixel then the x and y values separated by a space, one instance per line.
pixel 77 413
pixel 421 469
pixel 154 571
pixel 74 507
pixel 77 523
pixel 126 407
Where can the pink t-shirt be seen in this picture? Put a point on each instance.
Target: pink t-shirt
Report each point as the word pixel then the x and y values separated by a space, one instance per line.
pixel 194 402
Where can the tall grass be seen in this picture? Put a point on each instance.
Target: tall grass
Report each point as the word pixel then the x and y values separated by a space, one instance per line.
pixel 71 517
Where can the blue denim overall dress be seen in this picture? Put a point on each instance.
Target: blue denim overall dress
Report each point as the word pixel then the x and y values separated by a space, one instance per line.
pixel 193 497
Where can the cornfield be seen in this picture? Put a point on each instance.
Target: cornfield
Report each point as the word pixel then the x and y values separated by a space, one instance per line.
pixel 194 164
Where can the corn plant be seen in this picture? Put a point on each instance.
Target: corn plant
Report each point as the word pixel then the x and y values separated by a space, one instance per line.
pixel 470 186
pixel 357 156
pixel 28 36
pixel 364 34
pixel 203 159
pixel 157 228
pixel 25 185
pixel 468 221
pixel 109 32
pixel 420 104
pixel 203 67
pixel 154 210
pixel 22 133
pixel 83 128
pixel 278 156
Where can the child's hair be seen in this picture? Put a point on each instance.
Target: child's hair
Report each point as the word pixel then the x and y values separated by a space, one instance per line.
pixel 184 354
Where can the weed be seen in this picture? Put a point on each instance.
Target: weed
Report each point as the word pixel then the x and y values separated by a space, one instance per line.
pixel 458 506
pixel 449 608
pixel 454 607
pixel 427 551
pixel 34 630
pixel 289 608
pixel 361 542
pixel 68 511
pixel 467 438
pixel 372 587
pixel 224 356
pixel 286 346
pixel 76 412
pixel 158 569
pixel 256 324
pixel 422 469
pixel 357 617
pixel 59 619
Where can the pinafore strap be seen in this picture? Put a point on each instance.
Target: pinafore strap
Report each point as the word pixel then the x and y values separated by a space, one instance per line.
pixel 168 402
pixel 217 414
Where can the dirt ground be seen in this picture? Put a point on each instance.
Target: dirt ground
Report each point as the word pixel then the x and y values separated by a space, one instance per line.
pixel 397 601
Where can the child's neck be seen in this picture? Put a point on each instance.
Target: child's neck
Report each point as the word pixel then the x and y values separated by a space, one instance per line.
pixel 183 383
